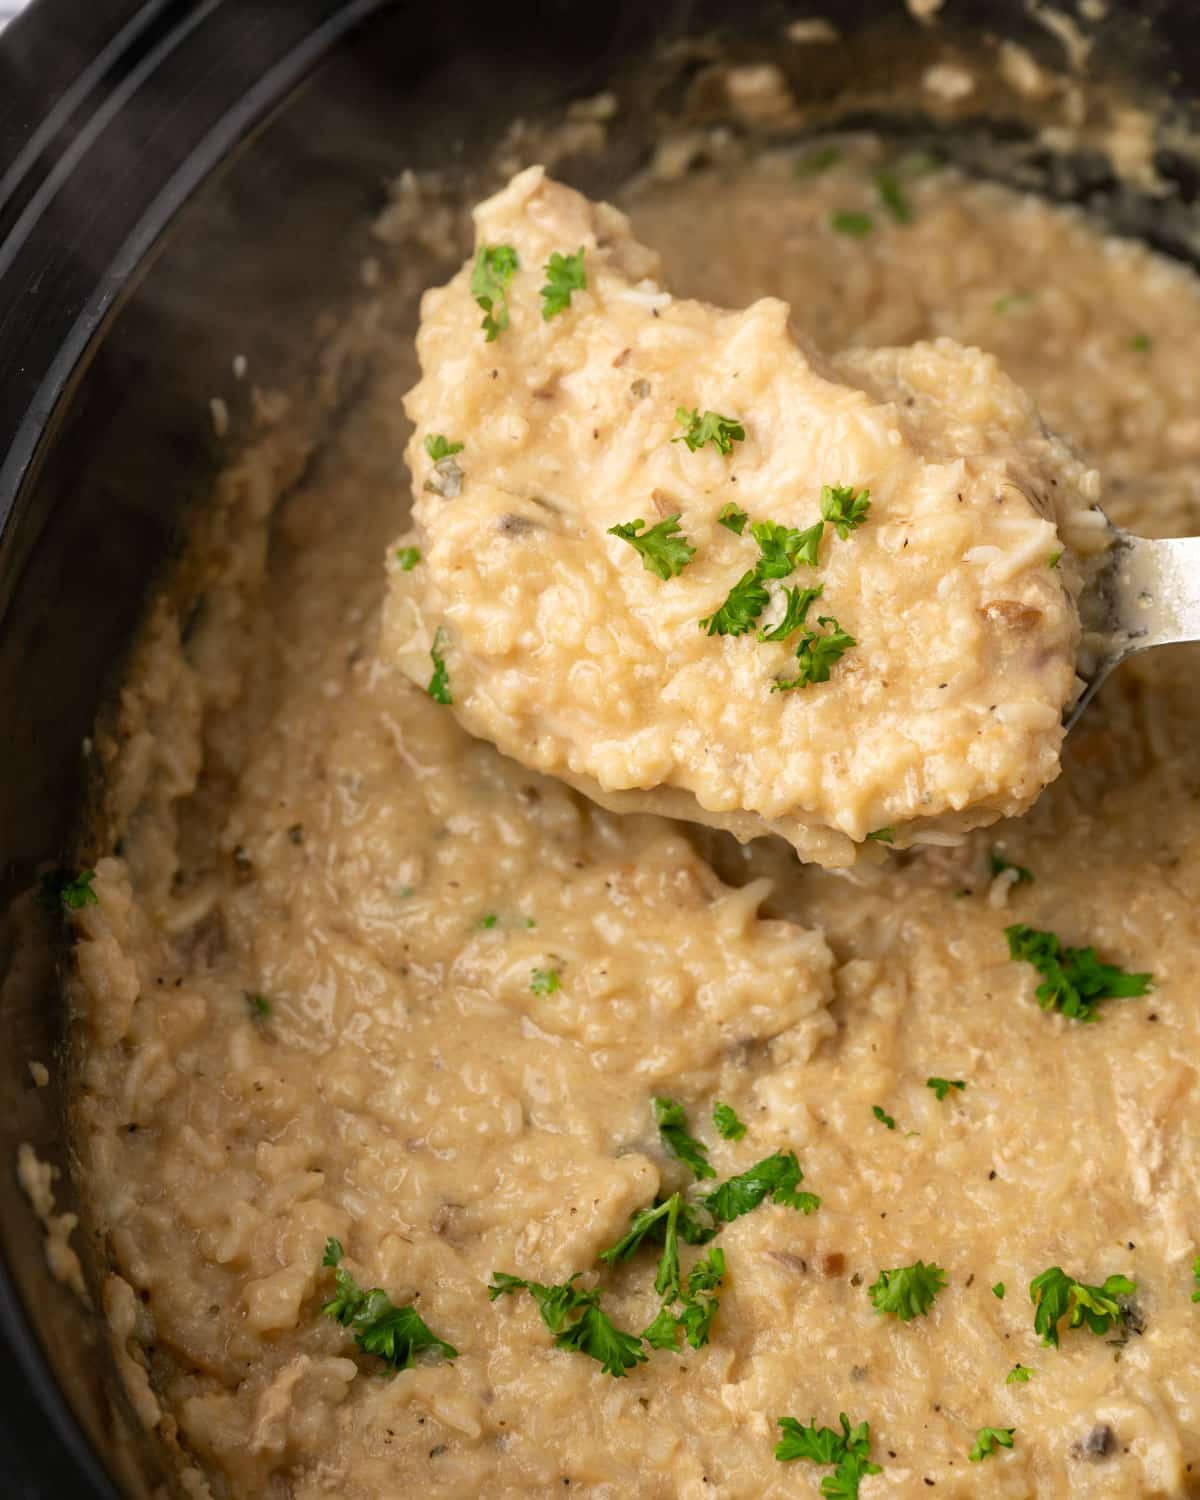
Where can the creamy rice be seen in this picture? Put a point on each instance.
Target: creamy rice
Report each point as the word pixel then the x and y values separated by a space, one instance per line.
pixel 303 824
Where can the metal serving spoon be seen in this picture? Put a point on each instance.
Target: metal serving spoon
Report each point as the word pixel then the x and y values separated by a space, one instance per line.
pixel 1144 593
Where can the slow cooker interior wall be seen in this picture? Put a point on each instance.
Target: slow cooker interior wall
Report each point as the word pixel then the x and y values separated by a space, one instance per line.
pixel 245 270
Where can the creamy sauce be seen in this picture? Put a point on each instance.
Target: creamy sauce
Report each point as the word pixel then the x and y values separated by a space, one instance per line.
pixel 303 824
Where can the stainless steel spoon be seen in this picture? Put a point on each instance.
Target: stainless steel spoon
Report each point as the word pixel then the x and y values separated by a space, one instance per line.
pixel 1144 593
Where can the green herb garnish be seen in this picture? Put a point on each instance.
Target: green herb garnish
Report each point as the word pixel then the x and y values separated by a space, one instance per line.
pixel 671 1120
pixel 893 197
pixel 544 981
pixel 69 890
pixel 816 654
pixel 797 603
pixel 743 604
pixel 493 270
pixel 729 1127
pixel 260 1006
pixel 408 557
pixel 721 432
pixel 999 864
pixel 907 1292
pixel 849 1450
pixel 439 683
pixel 564 275
pixel 1056 1296
pixel 1012 302
pixel 1019 1375
pixel 1074 980
pixel 942 1086
pixel 396 1334
pixel 816 162
pixel 844 508
pixel 733 518
pixel 998 1291
pixel 856 225
pixel 593 1333
pixel 784 549
pixel 883 835
pixel 1142 343
pixel 988 1439
pixel 882 1116
pixel 665 551
pixel 776 1176
pixel 439 447
pixel 1196 1278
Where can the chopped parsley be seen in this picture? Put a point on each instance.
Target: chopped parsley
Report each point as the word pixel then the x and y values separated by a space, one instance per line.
pixel 1056 1296
pixel 844 508
pixel 999 864
pixel 493 270
pixel 743 604
pixel 439 447
pixel 664 549
pixel 593 1333
pixel 942 1086
pixel 797 603
pixel 544 981
pixel 439 683
pixel 396 1334
pixel 998 1290
pixel 408 557
pixel 816 162
pixel 1074 980
pixel 777 1176
pixel 1012 302
pixel 260 1006
pixel 882 1116
pixel 816 654
pixel 1142 343
pixel 1019 1375
pixel 721 432
pixel 988 1439
pixel 1054 559
pixel 907 1292
pixel 671 1120
pixel 893 197
pixel 883 835
pixel 489 921
pixel 1196 1278
pixel 784 549
pixel 72 892
pixel 699 1306
pixel 849 1451
pixel 564 275
pixel 668 1222
pixel 662 1223
pixel 729 1127
pixel 733 518
pixel 856 225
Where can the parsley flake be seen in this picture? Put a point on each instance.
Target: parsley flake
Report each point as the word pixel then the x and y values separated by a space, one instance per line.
pixel 1142 343
pixel 733 518
pixel 439 683
pixel 844 508
pixel 893 197
pixel 797 603
pixel 671 1120
pixel 408 558
pixel 907 1292
pixel 1054 559
pixel 396 1334
pixel 816 162
pixel 883 835
pixel 942 1086
pixel 1056 1296
pixel 777 1176
pixel 260 1006
pixel 1196 1278
pixel 729 1127
pixel 493 270
pixel 784 549
pixel 564 275
pixel 721 432
pixel 988 1439
pixel 999 864
pixel 856 225
pixel 882 1116
pixel 593 1333
pixel 849 1450
pixel 663 551
pixel 998 1291
pixel 1012 302
pixel 439 447
pixel 1019 1375
pixel 743 604
pixel 816 654
pixel 1074 980
pixel 544 981
pixel 72 892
